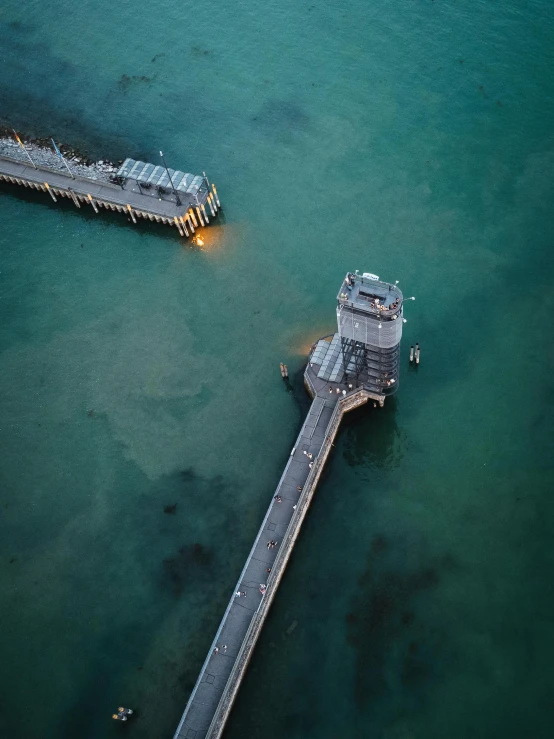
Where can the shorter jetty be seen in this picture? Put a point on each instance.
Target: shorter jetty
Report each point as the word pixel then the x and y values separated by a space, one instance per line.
pixel 342 373
pixel 139 190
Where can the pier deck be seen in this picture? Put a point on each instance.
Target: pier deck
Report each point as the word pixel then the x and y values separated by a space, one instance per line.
pixel 126 198
pixel 216 688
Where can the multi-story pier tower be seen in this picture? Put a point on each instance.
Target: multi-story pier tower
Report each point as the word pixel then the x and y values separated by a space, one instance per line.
pixel 365 351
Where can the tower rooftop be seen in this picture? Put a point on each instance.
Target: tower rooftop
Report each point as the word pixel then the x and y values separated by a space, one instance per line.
pixel 368 294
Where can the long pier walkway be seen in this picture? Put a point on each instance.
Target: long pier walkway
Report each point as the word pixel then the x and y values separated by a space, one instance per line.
pixel 222 672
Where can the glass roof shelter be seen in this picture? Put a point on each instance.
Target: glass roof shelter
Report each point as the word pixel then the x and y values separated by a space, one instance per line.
pixel 153 175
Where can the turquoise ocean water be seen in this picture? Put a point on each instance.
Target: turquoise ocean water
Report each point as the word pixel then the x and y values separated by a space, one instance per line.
pixel 411 139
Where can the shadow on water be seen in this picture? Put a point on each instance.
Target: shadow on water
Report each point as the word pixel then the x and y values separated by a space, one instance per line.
pixel 110 218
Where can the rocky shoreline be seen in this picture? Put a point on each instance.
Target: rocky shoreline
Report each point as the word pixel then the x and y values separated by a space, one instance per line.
pixel 43 154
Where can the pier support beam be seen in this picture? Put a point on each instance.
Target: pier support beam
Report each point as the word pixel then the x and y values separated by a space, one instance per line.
pixel 199 214
pixel 47 186
pixel 74 197
pixel 216 198
pixel 131 212
pixel 211 206
pixel 92 203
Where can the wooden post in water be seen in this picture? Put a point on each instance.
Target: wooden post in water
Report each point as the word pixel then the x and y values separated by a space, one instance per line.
pixel 417 353
pixel 184 225
pixel 131 212
pixel 216 198
pixel 190 222
pixel 178 224
pixel 74 197
pixel 192 215
pixel 411 354
pixel 199 216
pixel 89 196
pixel 47 186
pixel 211 206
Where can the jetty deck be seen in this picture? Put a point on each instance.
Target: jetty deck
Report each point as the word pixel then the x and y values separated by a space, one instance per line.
pixel 126 198
pixel 221 674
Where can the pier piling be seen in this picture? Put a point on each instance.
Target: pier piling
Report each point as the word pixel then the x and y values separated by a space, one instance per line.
pixel 91 201
pixel 50 191
pixel 74 198
pixel 216 198
pixel 212 211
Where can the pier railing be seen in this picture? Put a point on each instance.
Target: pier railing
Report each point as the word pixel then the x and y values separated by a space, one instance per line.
pixel 352 400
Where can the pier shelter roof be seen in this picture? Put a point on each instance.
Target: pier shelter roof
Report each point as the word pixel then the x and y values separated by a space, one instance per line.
pixel 157 176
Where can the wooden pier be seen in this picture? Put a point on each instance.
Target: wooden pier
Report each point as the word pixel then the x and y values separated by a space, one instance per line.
pixel 135 199
pixel 221 674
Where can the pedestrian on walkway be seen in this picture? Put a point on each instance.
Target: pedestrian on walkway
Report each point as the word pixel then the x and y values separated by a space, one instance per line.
pixel 263 588
pixel 224 648
pixel 216 650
